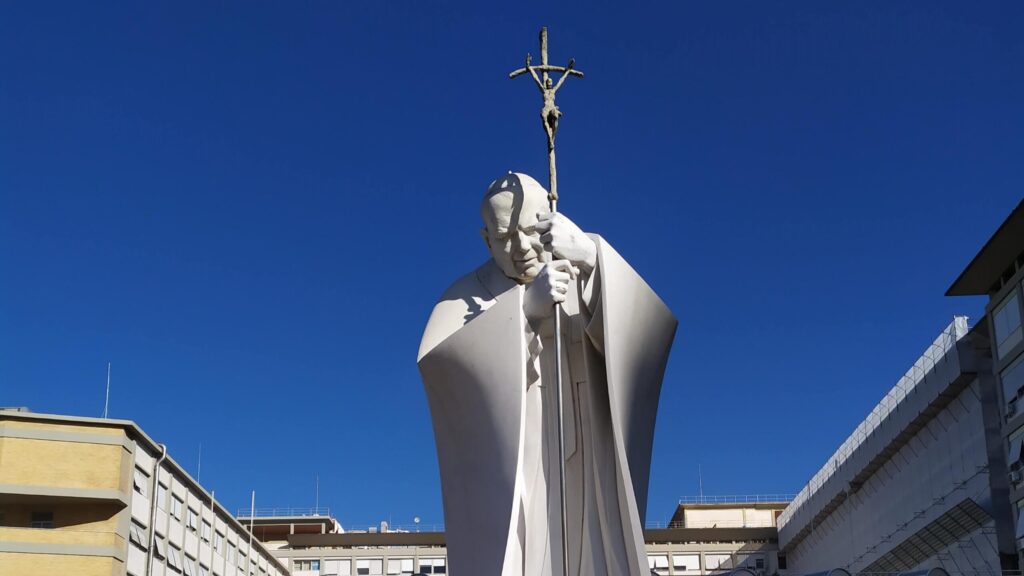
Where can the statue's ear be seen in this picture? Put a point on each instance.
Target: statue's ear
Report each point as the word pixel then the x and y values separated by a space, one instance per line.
pixel 486 237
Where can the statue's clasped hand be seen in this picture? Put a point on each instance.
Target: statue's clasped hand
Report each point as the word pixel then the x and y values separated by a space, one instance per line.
pixel 564 240
pixel 548 289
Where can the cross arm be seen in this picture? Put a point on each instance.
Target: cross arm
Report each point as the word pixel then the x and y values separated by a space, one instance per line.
pixel 546 68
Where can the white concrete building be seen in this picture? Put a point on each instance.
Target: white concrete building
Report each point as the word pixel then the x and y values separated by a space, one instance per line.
pixel 911 488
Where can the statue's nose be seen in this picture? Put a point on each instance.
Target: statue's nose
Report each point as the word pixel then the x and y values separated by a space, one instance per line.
pixel 523 244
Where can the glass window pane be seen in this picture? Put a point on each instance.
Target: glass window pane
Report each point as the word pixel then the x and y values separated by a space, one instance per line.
pixel 1007 325
pixel 1013 380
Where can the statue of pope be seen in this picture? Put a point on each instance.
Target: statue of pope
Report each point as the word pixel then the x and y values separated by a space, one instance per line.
pixel 488 366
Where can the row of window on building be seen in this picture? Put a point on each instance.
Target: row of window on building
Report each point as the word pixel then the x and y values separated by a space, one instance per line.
pixel 176 559
pixel 690 564
pixel 371 566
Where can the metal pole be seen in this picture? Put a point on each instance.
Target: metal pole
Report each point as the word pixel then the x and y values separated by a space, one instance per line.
pixel 549 119
pixel 106 399
pixel 559 416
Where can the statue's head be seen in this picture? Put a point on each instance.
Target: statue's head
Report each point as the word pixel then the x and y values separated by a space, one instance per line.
pixel 509 210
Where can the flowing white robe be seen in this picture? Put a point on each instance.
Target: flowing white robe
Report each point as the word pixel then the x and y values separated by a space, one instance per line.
pixel 489 377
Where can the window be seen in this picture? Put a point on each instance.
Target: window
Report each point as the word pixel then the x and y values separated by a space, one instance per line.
pixel 161 496
pixel 190 567
pixel 140 481
pixel 718 561
pixel 1006 324
pixel 432 566
pixel 370 567
pixel 218 542
pixel 400 566
pixel 1013 379
pixel 192 519
pixel 306 565
pixel 686 563
pixel 42 520
pixel 137 534
pixel 206 531
pixel 203 570
pixel 159 548
pixel 759 563
pixel 176 504
pixel 231 552
pixel 174 558
pixel 658 563
pixel 337 568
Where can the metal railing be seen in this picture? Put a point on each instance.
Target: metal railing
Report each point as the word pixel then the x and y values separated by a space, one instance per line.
pixel 738 499
pixel 279 512
pixel 656 524
pixel 932 355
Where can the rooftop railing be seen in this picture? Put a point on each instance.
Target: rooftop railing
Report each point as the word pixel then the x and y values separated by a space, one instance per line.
pixel 281 512
pixel 738 499
pixel 932 355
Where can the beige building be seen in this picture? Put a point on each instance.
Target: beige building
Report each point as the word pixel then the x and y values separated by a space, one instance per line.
pixel 98 497
pixel 705 536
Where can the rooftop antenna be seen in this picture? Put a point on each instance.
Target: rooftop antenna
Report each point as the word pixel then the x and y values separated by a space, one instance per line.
pixel 316 509
pixel 700 484
pixel 106 400
pixel 199 467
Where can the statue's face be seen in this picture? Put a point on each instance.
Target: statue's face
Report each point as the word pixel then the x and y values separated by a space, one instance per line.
pixel 509 211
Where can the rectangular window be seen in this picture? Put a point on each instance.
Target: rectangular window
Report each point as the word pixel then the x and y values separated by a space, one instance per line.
pixel 190 567
pixel 176 504
pixel 370 567
pixel 717 561
pixel 1013 379
pixel 218 542
pixel 432 566
pixel 400 566
pixel 203 570
pixel 192 519
pixel 307 565
pixel 686 563
pixel 174 557
pixel 140 481
pixel 137 534
pixel 206 531
pixel 231 552
pixel 1006 324
pixel 337 568
pixel 658 563
pixel 161 496
pixel 42 520
pixel 159 548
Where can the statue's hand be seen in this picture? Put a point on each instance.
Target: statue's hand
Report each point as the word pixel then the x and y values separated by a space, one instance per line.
pixel 566 241
pixel 548 289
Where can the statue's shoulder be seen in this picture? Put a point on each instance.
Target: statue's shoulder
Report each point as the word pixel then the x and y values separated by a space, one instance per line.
pixel 467 285
pixel 459 304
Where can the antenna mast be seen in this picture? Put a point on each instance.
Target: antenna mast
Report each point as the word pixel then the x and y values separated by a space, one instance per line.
pixel 106 399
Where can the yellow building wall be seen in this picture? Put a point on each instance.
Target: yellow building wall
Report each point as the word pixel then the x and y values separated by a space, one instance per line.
pixel 60 464
pixel 20 564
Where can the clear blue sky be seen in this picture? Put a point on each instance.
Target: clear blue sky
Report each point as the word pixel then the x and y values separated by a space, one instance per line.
pixel 251 208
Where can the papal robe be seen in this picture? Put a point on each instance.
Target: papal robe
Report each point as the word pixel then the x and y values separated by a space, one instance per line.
pixel 489 378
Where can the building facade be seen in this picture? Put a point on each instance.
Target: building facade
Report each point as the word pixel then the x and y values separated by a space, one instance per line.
pixel 933 477
pixel 98 497
pixel 705 536
pixel 997 271
pixel 910 489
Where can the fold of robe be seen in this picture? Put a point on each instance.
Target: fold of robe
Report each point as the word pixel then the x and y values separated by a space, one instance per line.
pixel 496 435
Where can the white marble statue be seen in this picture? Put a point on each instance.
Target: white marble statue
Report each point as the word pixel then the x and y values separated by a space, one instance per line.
pixel 487 363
